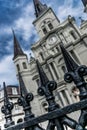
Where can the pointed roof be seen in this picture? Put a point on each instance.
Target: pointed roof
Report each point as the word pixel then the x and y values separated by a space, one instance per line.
pixel 17 49
pixel 70 63
pixel 6 100
pixel 39 7
pixel 43 78
pixel 23 89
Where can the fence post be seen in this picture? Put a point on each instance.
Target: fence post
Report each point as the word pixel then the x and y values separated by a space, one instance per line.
pixel 76 74
pixel 46 89
pixel 24 101
pixel 7 109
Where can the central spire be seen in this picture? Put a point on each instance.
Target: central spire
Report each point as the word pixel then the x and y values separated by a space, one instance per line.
pixel 39 7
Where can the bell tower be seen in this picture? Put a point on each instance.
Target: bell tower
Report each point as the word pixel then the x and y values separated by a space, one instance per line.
pixel 46 20
pixel 20 58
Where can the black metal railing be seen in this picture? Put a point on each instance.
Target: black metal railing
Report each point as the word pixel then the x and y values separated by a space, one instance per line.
pixel 57 117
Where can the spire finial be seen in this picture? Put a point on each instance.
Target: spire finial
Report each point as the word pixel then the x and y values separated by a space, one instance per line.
pixel 39 7
pixel 70 63
pixel 17 49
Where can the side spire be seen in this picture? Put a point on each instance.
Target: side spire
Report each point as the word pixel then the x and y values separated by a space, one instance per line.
pixel 70 63
pixel 39 7
pixel 43 78
pixel 17 49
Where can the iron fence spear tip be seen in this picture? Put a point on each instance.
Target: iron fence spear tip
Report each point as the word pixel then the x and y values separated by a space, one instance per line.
pixel 69 61
pixel 43 77
pixel 23 88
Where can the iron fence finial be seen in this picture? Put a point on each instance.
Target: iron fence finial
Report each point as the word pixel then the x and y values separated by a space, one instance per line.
pixel 7 109
pixel 76 74
pixel 70 63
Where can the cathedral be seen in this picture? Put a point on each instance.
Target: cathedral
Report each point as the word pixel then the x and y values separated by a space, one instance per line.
pixel 47 50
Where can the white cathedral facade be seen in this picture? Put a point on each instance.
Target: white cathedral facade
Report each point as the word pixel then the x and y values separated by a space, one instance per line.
pixel 47 50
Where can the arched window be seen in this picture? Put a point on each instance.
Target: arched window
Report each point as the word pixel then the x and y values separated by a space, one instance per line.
pixel 20 120
pixel 64 69
pixel 18 67
pixel 50 25
pixel 57 48
pixel 37 81
pixel 45 106
pixel 73 35
pixel 24 65
pixel 41 54
pixel 44 30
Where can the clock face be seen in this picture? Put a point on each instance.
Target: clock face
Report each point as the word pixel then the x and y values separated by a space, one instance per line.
pixel 52 39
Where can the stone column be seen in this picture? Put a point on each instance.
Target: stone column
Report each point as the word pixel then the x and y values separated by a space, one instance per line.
pixel 76 28
pixel 45 51
pixel 55 50
pixel 51 70
pixel 78 57
pixel 62 98
pixel 57 72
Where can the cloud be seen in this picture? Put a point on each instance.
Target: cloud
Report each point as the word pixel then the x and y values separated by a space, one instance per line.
pixel 24 23
pixel 7 71
pixel 70 7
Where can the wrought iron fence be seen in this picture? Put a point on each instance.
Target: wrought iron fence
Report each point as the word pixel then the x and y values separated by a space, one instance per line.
pixel 57 117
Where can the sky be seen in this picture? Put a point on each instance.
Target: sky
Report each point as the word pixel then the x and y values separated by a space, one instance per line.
pixel 19 15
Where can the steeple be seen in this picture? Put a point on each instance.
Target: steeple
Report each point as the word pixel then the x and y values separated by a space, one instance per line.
pixel 17 49
pixel 39 7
